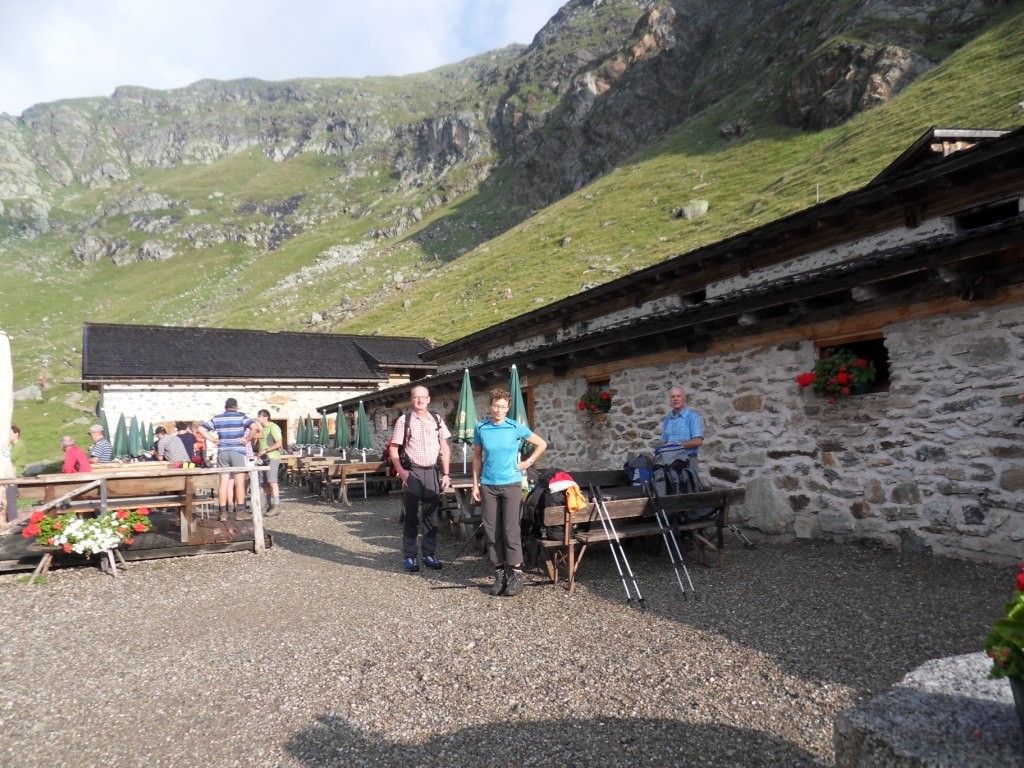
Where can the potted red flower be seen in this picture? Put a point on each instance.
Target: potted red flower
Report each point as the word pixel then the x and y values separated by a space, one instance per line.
pixel 839 375
pixel 594 401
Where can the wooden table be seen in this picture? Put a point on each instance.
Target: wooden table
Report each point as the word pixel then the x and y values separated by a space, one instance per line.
pixel 465 516
pixel 313 471
pixel 89 492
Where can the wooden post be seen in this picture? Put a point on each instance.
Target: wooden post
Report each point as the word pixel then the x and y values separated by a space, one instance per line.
pixel 256 507
pixel 42 567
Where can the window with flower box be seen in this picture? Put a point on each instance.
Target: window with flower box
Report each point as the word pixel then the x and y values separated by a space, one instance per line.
pixel 848 367
pixel 597 397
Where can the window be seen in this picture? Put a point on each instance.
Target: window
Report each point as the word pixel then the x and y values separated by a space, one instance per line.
pixel 871 348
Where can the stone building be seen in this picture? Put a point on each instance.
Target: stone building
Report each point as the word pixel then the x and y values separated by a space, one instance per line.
pixel 165 374
pixel 921 271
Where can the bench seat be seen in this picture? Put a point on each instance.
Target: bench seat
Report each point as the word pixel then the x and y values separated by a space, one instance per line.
pixel 633 518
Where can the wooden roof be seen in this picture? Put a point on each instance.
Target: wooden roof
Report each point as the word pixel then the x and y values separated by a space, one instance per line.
pixel 121 353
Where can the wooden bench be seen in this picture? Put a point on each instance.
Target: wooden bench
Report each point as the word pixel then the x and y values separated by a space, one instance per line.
pixel 633 517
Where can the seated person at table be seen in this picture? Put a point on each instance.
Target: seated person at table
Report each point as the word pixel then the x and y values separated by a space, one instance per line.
pixel 75 459
pixel 101 451
pixel 170 447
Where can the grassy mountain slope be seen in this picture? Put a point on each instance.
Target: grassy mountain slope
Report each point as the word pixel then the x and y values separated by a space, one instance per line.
pixel 622 221
pixel 473 259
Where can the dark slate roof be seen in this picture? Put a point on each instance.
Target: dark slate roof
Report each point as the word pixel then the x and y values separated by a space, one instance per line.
pixel 115 352
pixel 394 352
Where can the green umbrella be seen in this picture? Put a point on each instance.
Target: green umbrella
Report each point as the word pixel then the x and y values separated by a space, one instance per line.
pixel 120 441
pixel 102 414
pixel 363 440
pixel 148 435
pixel 308 434
pixel 465 417
pixel 325 437
pixel 517 409
pixel 342 439
pixel 134 438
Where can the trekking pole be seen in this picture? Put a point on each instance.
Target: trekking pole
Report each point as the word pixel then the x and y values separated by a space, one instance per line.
pixel 615 543
pixel 668 534
pixel 465 544
pixel 739 534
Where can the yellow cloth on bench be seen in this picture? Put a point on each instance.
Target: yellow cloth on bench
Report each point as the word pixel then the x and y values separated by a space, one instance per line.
pixel 574 499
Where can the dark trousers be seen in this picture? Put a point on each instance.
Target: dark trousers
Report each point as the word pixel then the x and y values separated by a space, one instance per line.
pixel 501 522
pixel 422 494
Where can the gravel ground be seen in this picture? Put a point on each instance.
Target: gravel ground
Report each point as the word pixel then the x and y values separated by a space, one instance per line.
pixel 324 652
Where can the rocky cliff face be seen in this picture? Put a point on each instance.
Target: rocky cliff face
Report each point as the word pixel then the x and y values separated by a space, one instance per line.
pixel 600 80
pixel 810 64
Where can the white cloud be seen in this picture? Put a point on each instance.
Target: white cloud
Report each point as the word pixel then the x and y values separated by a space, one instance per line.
pixel 58 49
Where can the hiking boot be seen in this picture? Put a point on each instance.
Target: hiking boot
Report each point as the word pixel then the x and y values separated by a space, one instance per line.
pixel 432 563
pixel 222 516
pixel 411 565
pixel 500 581
pixel 515 583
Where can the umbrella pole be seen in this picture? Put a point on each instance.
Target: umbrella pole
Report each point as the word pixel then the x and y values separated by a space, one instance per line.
pixel 464 458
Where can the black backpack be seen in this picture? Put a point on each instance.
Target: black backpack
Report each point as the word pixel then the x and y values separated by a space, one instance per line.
pixel 539 499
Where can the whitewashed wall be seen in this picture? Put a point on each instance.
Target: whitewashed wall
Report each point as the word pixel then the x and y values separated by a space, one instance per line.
pixel 168 404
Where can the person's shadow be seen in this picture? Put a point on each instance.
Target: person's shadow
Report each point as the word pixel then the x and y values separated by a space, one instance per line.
pixel 332 741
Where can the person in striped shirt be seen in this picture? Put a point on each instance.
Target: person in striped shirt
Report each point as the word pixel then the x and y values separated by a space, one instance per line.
pixel 101 450
pixel 231 431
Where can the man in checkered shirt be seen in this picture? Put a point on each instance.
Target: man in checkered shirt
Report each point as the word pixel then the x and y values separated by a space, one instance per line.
pixel 422 480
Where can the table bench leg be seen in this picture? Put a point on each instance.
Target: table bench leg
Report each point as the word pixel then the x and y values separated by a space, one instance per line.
pixel 41 568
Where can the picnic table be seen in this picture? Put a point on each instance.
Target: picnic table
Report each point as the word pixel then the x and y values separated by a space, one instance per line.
pixel 464 515
pixel 159 486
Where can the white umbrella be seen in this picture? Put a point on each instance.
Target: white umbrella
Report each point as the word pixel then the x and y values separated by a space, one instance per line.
pixel 6 411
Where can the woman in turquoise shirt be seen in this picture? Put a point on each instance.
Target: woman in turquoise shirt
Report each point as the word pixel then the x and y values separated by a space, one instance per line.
pixel 498 486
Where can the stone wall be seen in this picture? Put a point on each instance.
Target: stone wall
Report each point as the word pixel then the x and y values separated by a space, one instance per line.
pixel 936 464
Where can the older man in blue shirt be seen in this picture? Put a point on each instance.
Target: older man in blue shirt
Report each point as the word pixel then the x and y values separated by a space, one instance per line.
pixel 682 433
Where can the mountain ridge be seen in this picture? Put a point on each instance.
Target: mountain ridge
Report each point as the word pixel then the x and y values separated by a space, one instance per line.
pixel 439 203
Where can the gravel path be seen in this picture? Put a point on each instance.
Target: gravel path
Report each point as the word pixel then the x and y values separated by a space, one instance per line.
pixel 323 652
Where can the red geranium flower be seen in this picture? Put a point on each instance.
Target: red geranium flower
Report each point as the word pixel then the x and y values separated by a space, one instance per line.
pixel 143 510
pixel 67 547
pixel 121 514
pixel 37 517
pixel 31 531
pixel 140 527
pixel 805 379
pixel 129 541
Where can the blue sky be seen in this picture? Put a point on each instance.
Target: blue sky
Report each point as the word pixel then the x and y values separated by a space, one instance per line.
pixel 60 49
